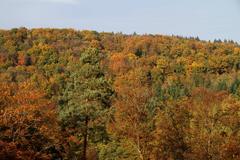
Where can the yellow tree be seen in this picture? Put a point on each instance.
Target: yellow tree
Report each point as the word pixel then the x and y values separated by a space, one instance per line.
pixel 214 126
pixel 133 116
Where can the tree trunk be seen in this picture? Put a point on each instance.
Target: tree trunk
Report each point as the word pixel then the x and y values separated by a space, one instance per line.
pixel 84 156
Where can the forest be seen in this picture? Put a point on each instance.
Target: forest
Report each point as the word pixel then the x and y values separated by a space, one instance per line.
pixel 83 95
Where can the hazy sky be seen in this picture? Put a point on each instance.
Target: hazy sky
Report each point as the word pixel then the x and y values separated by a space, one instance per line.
pixel 208 19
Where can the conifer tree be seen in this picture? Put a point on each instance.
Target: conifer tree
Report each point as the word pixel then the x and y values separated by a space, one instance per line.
pixel 86 101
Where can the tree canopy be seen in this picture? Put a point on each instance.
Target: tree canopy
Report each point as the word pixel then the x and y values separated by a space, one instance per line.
pixel 67 94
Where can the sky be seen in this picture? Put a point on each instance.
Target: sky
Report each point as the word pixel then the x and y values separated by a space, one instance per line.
pixel 207 19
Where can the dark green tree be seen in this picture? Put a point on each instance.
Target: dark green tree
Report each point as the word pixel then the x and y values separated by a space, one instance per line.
pixel 85 104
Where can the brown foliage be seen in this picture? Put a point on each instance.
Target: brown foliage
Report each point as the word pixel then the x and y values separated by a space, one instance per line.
pixel 28 121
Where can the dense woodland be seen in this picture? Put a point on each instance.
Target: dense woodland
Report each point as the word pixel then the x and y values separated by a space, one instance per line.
pixel 84 95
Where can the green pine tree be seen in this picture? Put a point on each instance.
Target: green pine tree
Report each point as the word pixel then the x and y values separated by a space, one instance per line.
pixel 85 103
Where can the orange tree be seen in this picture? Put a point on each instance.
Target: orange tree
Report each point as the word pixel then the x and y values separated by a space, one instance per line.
pixel 28 124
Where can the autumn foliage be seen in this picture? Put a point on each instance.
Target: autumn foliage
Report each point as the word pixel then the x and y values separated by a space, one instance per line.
pixel 67 94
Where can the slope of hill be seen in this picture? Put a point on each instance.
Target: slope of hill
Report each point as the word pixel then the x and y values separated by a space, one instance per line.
pixel 88 95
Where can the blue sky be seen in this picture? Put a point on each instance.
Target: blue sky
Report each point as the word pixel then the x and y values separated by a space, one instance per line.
pixel 208 19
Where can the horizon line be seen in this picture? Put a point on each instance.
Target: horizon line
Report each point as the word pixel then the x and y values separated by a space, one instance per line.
pixel 223 40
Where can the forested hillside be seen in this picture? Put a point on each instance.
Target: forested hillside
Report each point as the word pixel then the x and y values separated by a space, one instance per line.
pixel 84 95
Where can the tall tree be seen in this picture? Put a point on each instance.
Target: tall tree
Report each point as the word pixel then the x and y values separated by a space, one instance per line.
pixel 86 101
pixel 134 115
